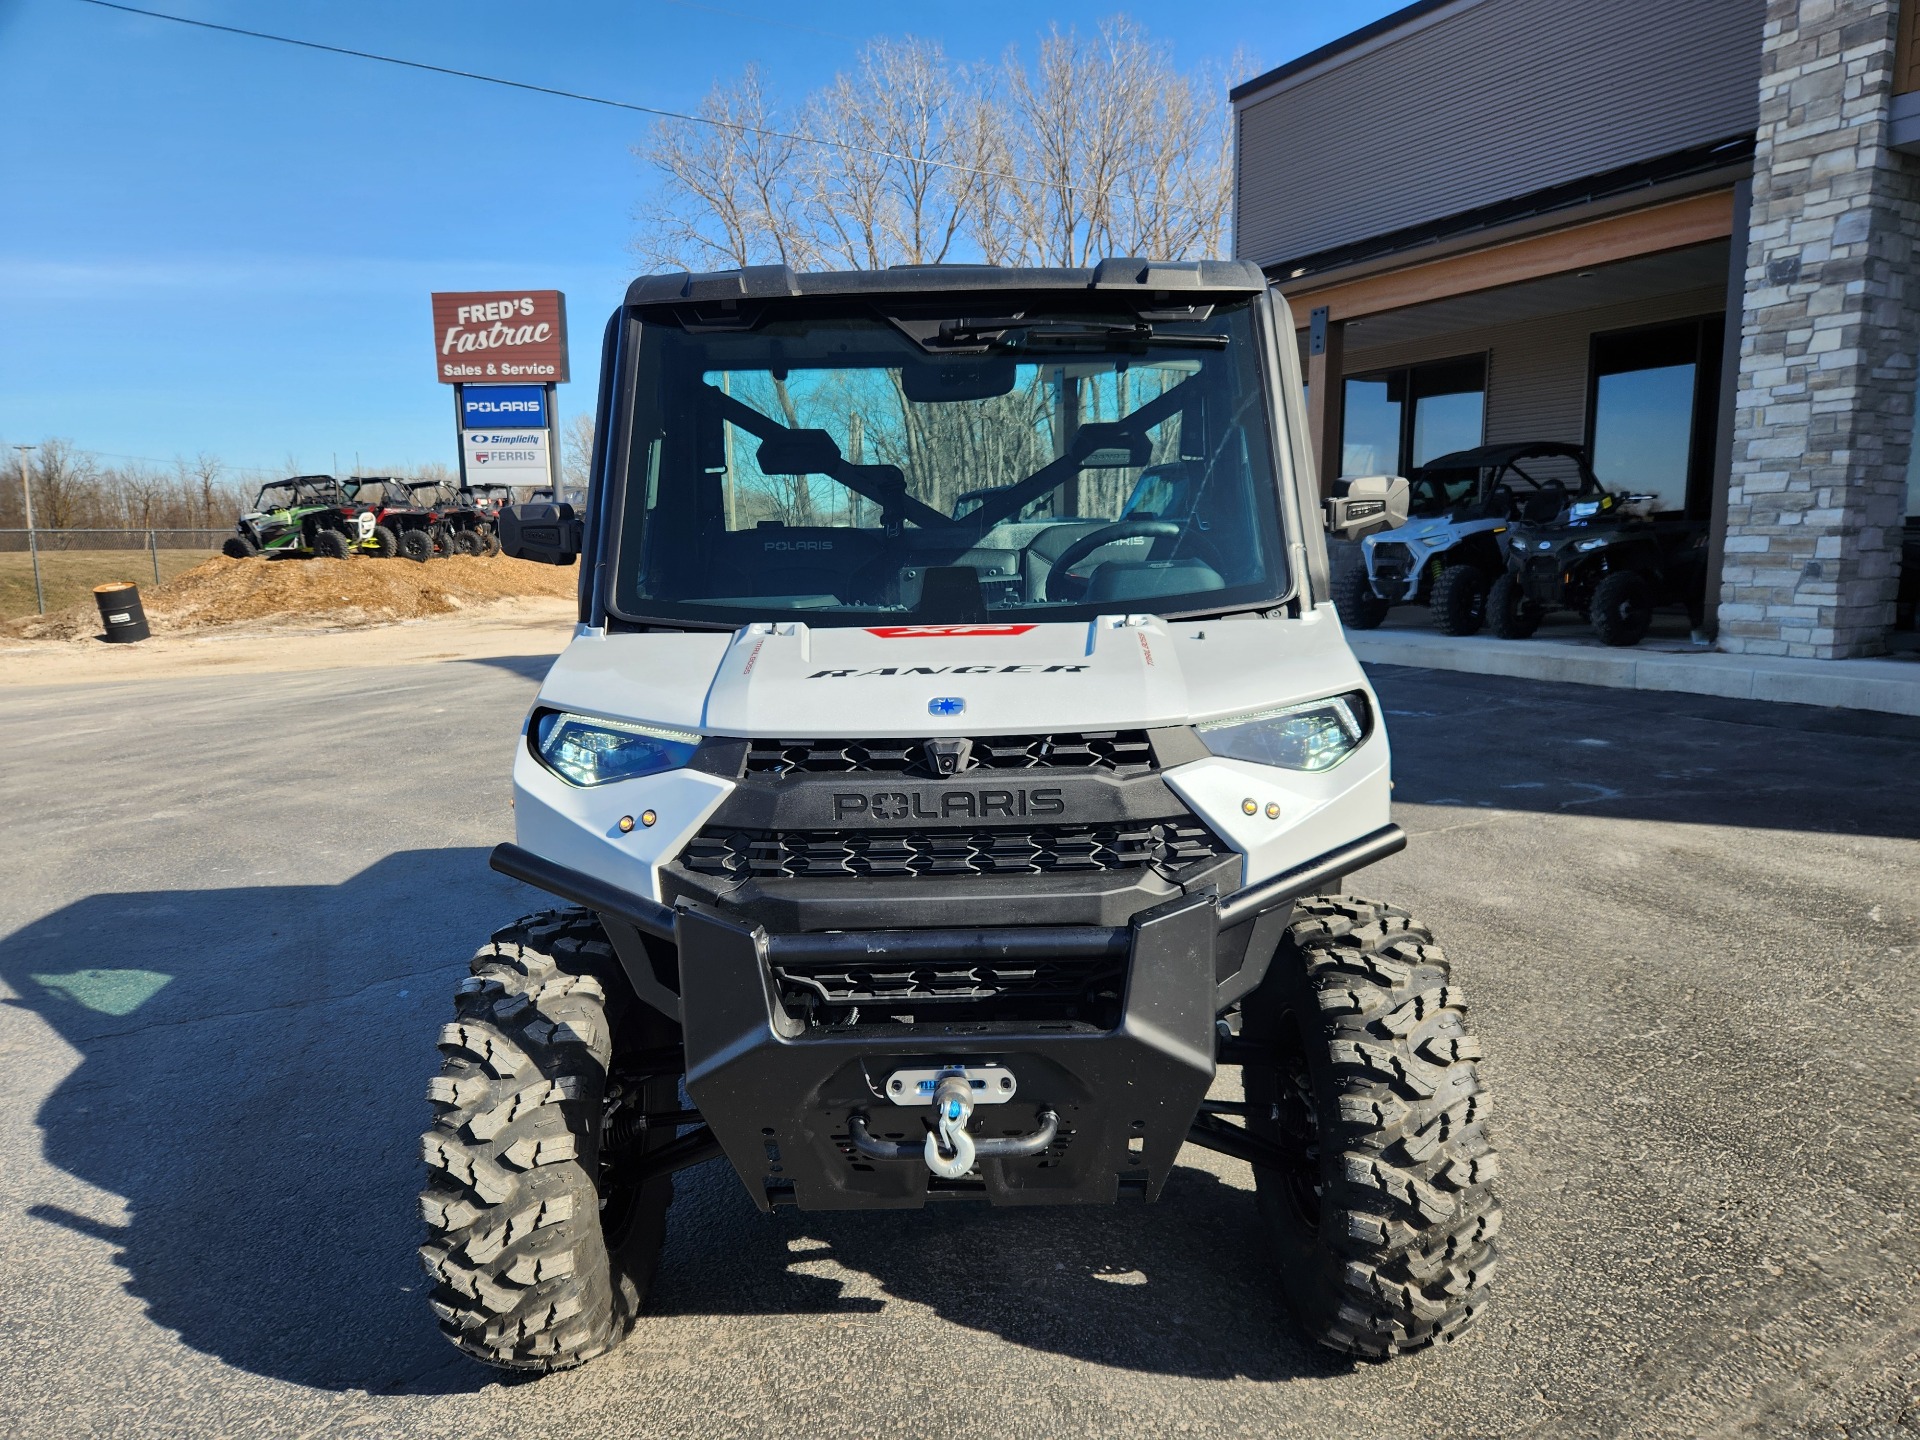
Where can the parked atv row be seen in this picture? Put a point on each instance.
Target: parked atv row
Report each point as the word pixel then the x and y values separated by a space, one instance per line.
pixel 1504 535
pixel 379 516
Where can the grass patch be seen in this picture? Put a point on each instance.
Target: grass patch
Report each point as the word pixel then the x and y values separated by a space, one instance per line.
pixel 70 575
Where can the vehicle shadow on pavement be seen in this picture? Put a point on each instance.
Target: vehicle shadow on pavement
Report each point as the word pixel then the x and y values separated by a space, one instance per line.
pixel 1186 1286
pixel 527 667
pixel 252 1079
pixel 251 1083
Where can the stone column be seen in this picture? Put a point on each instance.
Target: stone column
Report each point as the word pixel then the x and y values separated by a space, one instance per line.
pixel 1825 412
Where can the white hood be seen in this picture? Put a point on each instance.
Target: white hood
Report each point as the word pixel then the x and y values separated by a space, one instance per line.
pixel 790 680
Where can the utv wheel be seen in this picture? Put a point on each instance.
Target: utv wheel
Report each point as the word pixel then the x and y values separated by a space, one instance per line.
pixel 492 544
pixel 465 542
pixel 443 543
pixel 238 547
pixel 1622 608
pixel 383 543
pixel 331 544
pixel 1460 600
pixel 1510 614
pixel 1353 597
pixel 1384 1224
pixel 540 1254
pixel 416 544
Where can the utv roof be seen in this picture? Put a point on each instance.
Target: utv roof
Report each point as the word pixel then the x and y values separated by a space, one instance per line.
pixel 1488 456
pixel 1145 278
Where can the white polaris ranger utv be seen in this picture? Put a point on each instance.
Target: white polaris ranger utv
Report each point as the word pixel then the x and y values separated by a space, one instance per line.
pixel 925 850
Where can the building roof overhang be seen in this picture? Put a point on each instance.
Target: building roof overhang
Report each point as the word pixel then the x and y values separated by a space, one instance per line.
pixel 1694 171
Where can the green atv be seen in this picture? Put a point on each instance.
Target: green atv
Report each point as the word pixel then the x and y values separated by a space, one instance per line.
pixel 302 515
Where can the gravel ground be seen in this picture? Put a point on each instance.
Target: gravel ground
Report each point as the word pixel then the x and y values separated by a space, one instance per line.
pixel 235 909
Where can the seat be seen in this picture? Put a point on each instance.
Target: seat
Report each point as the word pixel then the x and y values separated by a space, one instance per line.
pixel 1544 505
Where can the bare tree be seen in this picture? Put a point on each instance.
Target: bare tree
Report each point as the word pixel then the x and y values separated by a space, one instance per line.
pixel 1104 147
pixel 143 496
pixel 201 476
pixel 901 178
pixel 729 186
pixel 65 485
pixel 576 450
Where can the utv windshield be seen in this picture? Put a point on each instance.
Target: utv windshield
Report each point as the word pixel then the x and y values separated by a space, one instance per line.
pixel 943 470
pixel 287 495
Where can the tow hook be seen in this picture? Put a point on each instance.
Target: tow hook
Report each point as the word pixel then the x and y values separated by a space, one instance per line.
pixel 949 1148
pixel 949 1151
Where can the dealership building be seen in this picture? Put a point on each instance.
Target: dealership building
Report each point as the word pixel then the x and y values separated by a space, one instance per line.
pixel 1680 232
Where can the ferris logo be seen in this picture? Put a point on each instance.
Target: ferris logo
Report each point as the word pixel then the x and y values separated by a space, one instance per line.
pixel 915 632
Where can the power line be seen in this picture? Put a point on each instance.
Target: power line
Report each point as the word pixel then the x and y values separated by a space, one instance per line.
pixel 733 125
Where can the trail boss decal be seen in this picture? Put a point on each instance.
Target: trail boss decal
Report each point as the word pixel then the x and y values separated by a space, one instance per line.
pixel 949 804
pixel 948 670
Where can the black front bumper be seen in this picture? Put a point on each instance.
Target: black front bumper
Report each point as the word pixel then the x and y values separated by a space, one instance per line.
pixel 779 1093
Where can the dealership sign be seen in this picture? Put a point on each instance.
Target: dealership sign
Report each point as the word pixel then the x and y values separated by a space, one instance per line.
pixel 523 406
pixel 500 337
pixel 506 457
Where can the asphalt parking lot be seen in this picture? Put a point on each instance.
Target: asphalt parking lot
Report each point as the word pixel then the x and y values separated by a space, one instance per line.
pixel 235 908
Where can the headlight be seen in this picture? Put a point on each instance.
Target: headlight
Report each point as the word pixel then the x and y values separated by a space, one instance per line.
pixel 1594 544
pixel 586 751
pixel 1315 736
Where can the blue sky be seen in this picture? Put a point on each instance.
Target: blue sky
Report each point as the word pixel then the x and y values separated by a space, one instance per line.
pixel 214 243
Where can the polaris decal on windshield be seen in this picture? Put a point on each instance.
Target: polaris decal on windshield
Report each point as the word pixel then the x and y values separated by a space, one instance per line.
pixel 908 632
pixel 885 670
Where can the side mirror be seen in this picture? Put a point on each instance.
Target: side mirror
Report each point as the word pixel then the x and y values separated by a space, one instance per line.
pixel 1366 505
pixel 546 532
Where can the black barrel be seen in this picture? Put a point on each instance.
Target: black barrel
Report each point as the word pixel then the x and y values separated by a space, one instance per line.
pixel 121 612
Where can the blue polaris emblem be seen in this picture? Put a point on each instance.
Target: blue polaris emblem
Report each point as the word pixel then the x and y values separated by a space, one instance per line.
pixel 946 705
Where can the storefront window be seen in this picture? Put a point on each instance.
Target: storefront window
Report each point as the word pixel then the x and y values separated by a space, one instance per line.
pixel 1449 408
pixel 1913 465
pixel 1381 433
pixel 1370 426
pixel 1648 430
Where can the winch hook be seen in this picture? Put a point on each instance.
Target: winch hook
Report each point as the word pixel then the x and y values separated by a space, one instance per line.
pixel 949 1148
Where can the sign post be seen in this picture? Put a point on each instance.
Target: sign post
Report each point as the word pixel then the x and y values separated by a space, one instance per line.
pixel 504 352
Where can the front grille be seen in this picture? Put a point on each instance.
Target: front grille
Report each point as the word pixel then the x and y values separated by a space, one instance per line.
pixel 1391 558
pixel 737 856
pixel 1116 752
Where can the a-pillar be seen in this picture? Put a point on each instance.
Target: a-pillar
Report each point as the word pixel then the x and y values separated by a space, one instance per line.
pixel 1824 418
pixel 1326 346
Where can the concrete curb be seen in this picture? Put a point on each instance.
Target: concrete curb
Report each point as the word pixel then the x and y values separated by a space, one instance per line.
pixel 1889 686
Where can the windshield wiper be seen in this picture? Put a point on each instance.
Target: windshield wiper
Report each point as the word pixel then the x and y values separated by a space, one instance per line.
pixel 1099 337
pixel 1016 335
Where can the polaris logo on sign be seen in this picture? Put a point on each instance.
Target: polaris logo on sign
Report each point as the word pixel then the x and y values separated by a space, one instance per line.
pixel 484 406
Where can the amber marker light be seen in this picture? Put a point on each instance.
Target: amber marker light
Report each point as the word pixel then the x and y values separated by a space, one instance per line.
pixel 626 823
pixel 647 817
pixel 1249 806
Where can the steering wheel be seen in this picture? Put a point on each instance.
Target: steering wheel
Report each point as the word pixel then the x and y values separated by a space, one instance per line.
pixel 1106 535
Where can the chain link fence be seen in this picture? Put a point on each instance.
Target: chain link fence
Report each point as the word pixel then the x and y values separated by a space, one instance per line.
pixel 68 554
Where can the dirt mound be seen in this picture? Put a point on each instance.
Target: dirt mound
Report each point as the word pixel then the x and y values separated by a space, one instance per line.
pixel 316 593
